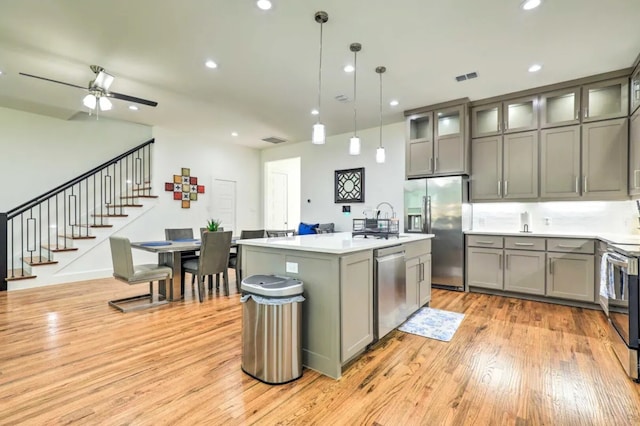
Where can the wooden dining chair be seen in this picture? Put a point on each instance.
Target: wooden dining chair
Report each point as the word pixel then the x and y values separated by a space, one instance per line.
pixel 214 258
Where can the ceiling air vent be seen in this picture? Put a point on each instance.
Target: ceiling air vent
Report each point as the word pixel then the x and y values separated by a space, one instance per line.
pixel 274 140
pixel 468 76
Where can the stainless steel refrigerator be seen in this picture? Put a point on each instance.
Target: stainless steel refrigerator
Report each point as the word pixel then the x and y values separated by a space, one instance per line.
pixel 440 206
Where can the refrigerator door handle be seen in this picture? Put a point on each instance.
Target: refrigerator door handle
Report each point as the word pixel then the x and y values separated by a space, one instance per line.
pixel 428 214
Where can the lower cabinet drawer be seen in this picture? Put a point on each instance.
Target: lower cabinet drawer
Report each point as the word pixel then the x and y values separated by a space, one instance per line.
pixel 524 243
pixel 488 241
pixel 571 245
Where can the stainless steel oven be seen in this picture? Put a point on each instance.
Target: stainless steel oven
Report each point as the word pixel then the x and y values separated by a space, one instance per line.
pixel 623 300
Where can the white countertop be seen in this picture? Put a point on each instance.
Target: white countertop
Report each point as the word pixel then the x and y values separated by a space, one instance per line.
pixel 608 237
pixel 336 243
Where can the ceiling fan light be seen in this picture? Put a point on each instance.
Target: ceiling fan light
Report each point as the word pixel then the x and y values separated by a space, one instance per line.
pixel 105 104
pixel 103 80
pixel 354 146
pixel 89 101
pixel 318 134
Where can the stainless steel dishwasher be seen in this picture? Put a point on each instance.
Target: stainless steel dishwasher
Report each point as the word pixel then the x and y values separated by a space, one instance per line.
pixel 389 290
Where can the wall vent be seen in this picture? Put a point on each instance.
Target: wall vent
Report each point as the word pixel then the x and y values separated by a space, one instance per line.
pixel 468 76
pixel 274 140
pixel 342 98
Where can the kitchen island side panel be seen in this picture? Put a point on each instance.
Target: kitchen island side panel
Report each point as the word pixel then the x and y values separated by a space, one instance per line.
pixel 320 274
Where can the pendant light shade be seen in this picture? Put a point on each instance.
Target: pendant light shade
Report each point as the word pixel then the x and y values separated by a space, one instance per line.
pixel 318 128
pixel 354 142
pixel 380 154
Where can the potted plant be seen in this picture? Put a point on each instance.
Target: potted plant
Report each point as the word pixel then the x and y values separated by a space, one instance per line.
pixel 213 224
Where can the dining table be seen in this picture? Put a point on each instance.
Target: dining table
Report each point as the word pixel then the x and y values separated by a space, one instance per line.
pixel 170 254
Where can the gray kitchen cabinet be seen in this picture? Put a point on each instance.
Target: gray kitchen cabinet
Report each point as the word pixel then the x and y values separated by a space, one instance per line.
pixel 418 275
pixel 634 153
pixel 604 159
pixel 634 93
pixel 524 271
pixel 419 149
pixel 484 268
pixel 515 115
pixel 413 273
pixel 424 285
pixel 505 167
pixel 570 276
pixel 605 99
pixel 356 303
pixel 437 142
pixel 560 108
pixel 520 171
pixel 560 162
pixel 486 168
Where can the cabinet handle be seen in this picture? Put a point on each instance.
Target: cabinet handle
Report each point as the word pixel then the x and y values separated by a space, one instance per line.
pixel 524 244
pixel 506 188
pixel 484 242
pixel 586 112
pixel 577 192
pixel 500 261
pixel 578 114
pixel 584 184
pixel 568 246
pixel 499 189
pixel 435 166
pixel 431 164
pixel 507 262
pixel 635 178
pixel 422 272
pixel 550 266
pixel 506 125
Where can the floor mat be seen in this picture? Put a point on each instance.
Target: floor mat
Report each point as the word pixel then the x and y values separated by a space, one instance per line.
pixel 433 323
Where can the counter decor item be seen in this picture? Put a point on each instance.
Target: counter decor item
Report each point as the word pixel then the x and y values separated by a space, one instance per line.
pixel 213 225
pixel 525 222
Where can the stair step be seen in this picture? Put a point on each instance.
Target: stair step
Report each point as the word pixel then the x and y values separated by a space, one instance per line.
pixel 78 237
pixel 38 260
pixel 101 226
pixel 124 205
pixel 17 275
pixel 110 215
pixel 55 249
pixel 138 196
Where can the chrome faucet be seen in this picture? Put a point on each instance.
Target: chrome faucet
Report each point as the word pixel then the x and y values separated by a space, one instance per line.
pixel 393 212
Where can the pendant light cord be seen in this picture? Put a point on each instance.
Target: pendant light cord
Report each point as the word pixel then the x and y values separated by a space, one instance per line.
pixel 380 110
pixel 320 74
pixel 355 104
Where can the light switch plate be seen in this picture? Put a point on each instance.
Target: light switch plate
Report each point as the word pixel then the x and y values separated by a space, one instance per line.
pixel 291 267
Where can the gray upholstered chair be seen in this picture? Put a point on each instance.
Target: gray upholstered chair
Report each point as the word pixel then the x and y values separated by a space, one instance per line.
pixel 280 233
pixel 234 259
pixel 214 258
pixel 124 270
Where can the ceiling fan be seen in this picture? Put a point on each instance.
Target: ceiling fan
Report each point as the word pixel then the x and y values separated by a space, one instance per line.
pixel 98 88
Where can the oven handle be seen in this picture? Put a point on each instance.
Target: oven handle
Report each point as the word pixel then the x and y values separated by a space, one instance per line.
pixel 631 264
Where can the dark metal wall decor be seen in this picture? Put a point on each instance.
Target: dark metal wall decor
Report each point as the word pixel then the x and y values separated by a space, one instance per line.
pixel 349 185
pixel 185 188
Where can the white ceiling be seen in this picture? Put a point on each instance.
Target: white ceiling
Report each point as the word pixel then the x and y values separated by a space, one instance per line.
pixel 267 79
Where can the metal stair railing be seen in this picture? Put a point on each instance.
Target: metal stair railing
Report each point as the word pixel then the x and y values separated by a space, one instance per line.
pixel 32 231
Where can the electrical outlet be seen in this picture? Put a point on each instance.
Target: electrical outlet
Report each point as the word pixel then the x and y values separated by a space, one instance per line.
pixel 547 221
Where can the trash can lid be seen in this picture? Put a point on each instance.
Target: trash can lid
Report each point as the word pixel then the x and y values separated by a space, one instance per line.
pixel 271 285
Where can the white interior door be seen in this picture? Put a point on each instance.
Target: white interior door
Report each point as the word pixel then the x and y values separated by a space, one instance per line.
pixel 278 201
pixel 224 203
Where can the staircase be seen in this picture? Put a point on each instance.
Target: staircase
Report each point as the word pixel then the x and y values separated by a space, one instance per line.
pixel 50 230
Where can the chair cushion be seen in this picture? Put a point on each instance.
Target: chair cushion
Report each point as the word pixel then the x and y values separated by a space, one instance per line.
pixel 146 273
pixel 190 265
pixel 307 228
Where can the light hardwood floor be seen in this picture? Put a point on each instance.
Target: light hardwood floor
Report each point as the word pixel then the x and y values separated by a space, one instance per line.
pixel 66 357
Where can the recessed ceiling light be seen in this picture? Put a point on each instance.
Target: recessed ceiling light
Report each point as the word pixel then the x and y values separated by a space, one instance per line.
pixel 394 103
pixel 535 68
pixel 133 108
pixel 314 112
pixel 531 4
pixel 234 134
pixel 349 68
pixel 264 4
pixel 0 72
pixel 210 64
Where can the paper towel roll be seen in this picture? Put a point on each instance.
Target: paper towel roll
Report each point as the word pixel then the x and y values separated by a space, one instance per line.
pixel 525 222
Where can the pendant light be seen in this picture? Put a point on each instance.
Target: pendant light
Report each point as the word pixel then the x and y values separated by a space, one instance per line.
pixel 380 156
pixel 318 128
pixel 354 142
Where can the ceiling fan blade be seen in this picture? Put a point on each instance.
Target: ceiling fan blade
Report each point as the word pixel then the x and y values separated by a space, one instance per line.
pixel 132 99
pixel 53 81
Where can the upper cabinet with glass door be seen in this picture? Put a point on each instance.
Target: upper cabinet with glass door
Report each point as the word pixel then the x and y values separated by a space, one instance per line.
pixel 560 108
pixel 516 115
pixel 605 99
pixel 635 90
pixel 419 147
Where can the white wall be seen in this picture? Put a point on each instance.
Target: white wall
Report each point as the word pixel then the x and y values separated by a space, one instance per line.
pixel 383 182
pixel 39 153
pixel 564 216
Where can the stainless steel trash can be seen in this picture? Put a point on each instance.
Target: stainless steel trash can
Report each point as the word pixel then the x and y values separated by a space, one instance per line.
pixel 271 328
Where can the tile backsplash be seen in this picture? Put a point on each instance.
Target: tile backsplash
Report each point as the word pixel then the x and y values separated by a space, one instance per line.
pixel 559 216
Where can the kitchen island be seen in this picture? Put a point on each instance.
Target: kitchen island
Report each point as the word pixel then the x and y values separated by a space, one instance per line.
pixel 337 271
